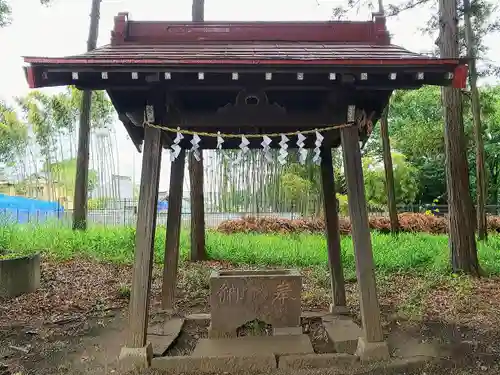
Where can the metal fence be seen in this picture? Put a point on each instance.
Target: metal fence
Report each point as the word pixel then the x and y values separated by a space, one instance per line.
pixel 127 215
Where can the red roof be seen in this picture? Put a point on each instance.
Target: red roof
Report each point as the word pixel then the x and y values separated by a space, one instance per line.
pixel 181 45
pixel 335 43
pixel 242 53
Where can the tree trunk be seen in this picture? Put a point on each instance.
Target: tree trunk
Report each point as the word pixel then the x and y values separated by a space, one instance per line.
pixel 389 173
pixel 462 241
pixel 196 178
pixel 482 230
pixel 82 160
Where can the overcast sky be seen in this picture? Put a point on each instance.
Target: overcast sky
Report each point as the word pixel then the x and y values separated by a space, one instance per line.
pixel 63 29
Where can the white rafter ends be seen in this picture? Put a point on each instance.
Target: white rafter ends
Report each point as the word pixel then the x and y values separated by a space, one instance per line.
pixel 420 76
pixel 300 76
pixel 135 75
pixel 201 76
pixel 364 76
pixel 74 76
pixel 332 76
pixel 393 76
pixel 104 75
pixel 449 75
pixel 269 76
pixel 168 75
pixel 235 76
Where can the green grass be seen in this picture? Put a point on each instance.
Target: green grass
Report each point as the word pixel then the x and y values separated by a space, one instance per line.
pixel 422 253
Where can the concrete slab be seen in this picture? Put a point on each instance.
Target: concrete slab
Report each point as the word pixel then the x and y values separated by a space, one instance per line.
pixel 162 335
pixel 254 346
pixel 198 316
pixel 372 351
pixel 403 345
pixel 287 331
pixel 167 328
pixel 338 310
pixel 327 360
pixel 217 365
pixel 135 358
pixel 313 314
pixel 343 333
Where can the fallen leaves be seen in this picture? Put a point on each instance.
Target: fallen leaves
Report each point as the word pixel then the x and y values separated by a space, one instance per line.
pixel 409 222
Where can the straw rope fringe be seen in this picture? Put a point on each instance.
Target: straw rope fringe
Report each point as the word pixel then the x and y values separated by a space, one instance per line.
pixel 270 135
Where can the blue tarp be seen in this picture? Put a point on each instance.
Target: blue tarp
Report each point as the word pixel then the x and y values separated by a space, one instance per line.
pixel 24 210
pixel 162 205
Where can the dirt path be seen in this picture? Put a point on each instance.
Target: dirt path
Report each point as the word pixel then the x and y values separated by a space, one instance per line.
pixel 76 322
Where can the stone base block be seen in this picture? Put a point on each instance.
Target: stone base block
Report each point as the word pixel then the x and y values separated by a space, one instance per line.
pixel 241 296
pixel 338 310
pixel 343 333
pixel 218 365
pixel 372 351
pixel 287 331
pixel 135 358
pixel 217 334
pixel 254 346
pixel 327 360
pixel 19 275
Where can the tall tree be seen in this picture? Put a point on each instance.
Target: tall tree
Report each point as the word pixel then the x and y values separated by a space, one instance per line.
pixel 389 173
pixel 482 229
pixel 462 240
pixel 196 178
pixel 82 164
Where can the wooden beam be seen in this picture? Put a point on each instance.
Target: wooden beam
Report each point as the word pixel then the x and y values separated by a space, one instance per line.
pixel 171 259
pixel 332 230
pixel 360 230
pixel 144 243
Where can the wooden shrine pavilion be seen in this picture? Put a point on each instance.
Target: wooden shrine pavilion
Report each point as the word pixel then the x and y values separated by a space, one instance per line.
pixel 248 78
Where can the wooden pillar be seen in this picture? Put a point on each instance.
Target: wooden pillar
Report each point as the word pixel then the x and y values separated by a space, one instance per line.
pixel 197 208
pixel 196 176
pixel 144 238
pixel 389 173
pixel 360 230
pixel 171 259
pixel 332 232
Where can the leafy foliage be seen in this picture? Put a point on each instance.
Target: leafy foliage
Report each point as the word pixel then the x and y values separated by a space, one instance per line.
pixel 5 11
pixel 13 134
pixel 405 180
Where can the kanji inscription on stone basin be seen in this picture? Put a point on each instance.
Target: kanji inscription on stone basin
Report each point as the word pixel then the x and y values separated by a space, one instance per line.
pixel 237 297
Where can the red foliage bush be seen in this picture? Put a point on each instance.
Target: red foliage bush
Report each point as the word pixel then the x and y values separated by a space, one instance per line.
pixel 409 222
